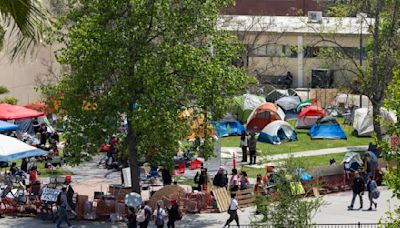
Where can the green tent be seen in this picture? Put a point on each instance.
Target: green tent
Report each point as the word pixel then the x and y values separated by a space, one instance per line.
pixel 244 105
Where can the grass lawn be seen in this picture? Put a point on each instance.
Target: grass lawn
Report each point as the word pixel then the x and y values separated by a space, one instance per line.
pixel 303 143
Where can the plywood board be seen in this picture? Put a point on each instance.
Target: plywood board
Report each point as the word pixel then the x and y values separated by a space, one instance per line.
pixel 223 199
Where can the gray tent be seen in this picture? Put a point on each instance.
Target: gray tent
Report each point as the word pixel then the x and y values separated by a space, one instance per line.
pixel 288 103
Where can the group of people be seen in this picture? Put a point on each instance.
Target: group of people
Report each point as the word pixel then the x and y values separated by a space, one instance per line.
pixel 359 186
pixel 142 217
pixel 17 175
pixel 250 144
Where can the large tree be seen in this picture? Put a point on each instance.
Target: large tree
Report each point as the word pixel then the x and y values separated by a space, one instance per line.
pixel 145 61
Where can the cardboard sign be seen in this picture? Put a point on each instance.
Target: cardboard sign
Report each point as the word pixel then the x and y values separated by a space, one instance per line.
pixel 50 194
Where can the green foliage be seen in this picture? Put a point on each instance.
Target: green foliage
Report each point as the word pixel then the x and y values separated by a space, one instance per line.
pixel 3 90
pixel 154 54
pixel 282 208
pixel 9 100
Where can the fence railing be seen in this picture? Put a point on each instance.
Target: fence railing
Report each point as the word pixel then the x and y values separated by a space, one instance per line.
pixel 349 225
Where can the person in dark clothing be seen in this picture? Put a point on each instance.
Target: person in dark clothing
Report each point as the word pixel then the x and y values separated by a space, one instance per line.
pixel 13 168
pixel 252 144
pixel 64 207
pixel 166 176
pixel 243 145
pixel 172 214
pixel 358 190
pixel 201 179
pixel 24 165
pixel 221 178
pixel 43 134
pixel 132 218
pixel 371 188
pixel 35 125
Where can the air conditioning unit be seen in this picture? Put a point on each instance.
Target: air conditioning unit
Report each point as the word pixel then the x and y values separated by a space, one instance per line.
pixel 315 16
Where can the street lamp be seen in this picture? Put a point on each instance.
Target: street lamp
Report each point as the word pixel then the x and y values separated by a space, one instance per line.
pixel 361 17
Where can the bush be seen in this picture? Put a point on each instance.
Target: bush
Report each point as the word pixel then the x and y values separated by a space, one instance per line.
pixel 9 100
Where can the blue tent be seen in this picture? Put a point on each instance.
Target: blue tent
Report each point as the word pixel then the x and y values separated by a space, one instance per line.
pixel 327 128
pixel 220 128
pixel 5 126
pixel 227 128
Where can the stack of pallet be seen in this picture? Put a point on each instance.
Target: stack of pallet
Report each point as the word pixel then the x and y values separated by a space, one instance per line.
pixel 245 198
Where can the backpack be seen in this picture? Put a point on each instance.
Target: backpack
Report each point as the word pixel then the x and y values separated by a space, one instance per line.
pixel 159 217
pixel 141 216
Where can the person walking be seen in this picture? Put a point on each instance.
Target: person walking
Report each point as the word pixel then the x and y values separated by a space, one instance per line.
pixel 358 190
pixel 232 211
pixel 132 220
pixel 145 211
pixel 159 215
pixel 243 145
pixel 64 208
pixel 173 214
pixel 252 144
pixel 373 192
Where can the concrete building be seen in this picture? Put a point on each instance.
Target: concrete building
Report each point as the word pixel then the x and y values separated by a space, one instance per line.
pixel 280 44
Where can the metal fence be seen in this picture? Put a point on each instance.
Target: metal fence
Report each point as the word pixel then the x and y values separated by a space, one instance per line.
pixel 350 225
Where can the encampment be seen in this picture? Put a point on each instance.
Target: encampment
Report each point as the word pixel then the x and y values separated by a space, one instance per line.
pixel 306 103
pixel 263 115
pixel 244 105
pixel 327 128
pixel 276 132
pixel 309 116
pixel 289 106
pixel 363 121
pixel 352 161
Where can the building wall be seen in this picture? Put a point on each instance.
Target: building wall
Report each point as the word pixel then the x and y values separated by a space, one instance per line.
pixel 20 76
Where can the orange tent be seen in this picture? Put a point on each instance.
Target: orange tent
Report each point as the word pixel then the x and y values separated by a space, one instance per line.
pixel 263 115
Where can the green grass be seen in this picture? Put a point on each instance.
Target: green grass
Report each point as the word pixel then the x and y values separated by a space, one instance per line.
pixel 43 172
pixel 303 143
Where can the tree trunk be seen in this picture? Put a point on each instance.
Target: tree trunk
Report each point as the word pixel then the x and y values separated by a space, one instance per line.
pixel 133 158
pixel 377 124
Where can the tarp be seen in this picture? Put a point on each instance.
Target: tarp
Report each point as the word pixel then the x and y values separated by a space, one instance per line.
pixel 352 161
pixel 230 128
pixel 276 132
pixel 309 116
pixel 25 126
pixel 263 115
pixel 219 128
pixel 12 149
pixel 244 105
pixel 14 112
pixel 363 121
pixel 288 103
pixel 5 126
pixel 327 128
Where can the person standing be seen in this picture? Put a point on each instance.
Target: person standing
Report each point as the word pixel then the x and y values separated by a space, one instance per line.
pixel 220 179
pixel 244 181
pixel 132 222
pixel 166 176
pixel 159 215
pixel 252 144
pixel 373 192
pixel 232 211
pixel 234 182
pixel 358 190
pixel 64 208
pixel 173 214
pixel 147 215
pixel 243 145
pixel 24 165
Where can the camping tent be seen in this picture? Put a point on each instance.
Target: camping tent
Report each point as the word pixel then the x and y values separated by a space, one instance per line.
pixel 363 121
pixel 263 115
pixel 272 94
pixel 276 132
pixel 14 112
pixel 228 128
pixel 349 100
pixel 244 105
pixel 352 161
pixel 309 116
pixel 5 126
pixel 327 128
pixel 306 103
pixel 288 103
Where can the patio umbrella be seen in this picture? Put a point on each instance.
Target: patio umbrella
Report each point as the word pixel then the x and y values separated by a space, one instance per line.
pixel 5 126
pixel 12 149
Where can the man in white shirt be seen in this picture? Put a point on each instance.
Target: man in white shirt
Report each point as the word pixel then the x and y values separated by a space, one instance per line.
pixel 232 211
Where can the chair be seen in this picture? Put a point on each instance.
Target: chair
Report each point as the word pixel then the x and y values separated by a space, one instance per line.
pixel 181 169
pixel 196 164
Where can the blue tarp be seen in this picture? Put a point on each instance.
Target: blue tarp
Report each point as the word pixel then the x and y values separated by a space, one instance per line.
pixel 327 131
pixel 220 128
pixel 227 128
pixel 5 126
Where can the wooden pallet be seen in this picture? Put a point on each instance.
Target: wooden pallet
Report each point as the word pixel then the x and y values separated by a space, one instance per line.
pixel 223 199
pixel 245 198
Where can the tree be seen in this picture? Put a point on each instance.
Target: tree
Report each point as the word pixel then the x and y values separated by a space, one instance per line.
pixel 144 62
pixel 373 77
pixel 25 20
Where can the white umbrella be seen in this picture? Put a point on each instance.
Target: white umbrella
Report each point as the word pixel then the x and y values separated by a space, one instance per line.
pixel 12 149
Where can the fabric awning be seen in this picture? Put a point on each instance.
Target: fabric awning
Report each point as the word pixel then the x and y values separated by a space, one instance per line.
pixel 14 112
pixel 5 126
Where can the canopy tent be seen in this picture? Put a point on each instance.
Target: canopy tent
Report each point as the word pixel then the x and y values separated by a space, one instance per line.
pixel 363 121
pixel 276 132
pixel 309 116
pixel 352 161
pixel 263 115
pixel 39 106
pixel 12 149
pixel 244 105
pixel 229 128
pixel 306 103
pixel 5 126
pixel 14 112
pixel 288 103
pixel 327 128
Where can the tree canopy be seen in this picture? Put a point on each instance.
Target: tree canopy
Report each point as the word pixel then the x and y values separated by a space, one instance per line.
pixel 145 61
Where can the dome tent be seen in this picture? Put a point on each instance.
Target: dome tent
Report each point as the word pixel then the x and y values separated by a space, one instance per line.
pixel 244 105
pixel 309 116
pixel 363 121
pixel 288 103
pixel 327 128
pixel 263 115
pixel 276 132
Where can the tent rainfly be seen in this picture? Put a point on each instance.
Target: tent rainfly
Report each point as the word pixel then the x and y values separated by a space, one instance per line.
pixel 244 105
pixel 263 115
pixel 276 132
pixel 327 128
pixel 14 112
pixel 309 116
pixel 363 121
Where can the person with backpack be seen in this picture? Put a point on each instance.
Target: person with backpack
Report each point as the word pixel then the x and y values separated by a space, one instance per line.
pixel 173 214
pixel 144 215
pixel 132 218
pixel 159 215
pixel 373 192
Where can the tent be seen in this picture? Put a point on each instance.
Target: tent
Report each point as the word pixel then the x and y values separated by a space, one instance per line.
pixel 12 149
pixel 263 115
pixel 363 121
pixel 276 132
pixel 14 112
pixel 220 128
pixel 309 116
pixel 228 128
pixel 352 161
pixel 288 103
pixel 306 103
pixel 5 126
pixel 327 128
pixel 272 94
pixel 244 105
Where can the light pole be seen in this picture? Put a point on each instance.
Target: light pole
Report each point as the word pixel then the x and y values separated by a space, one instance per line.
pixel 361 17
